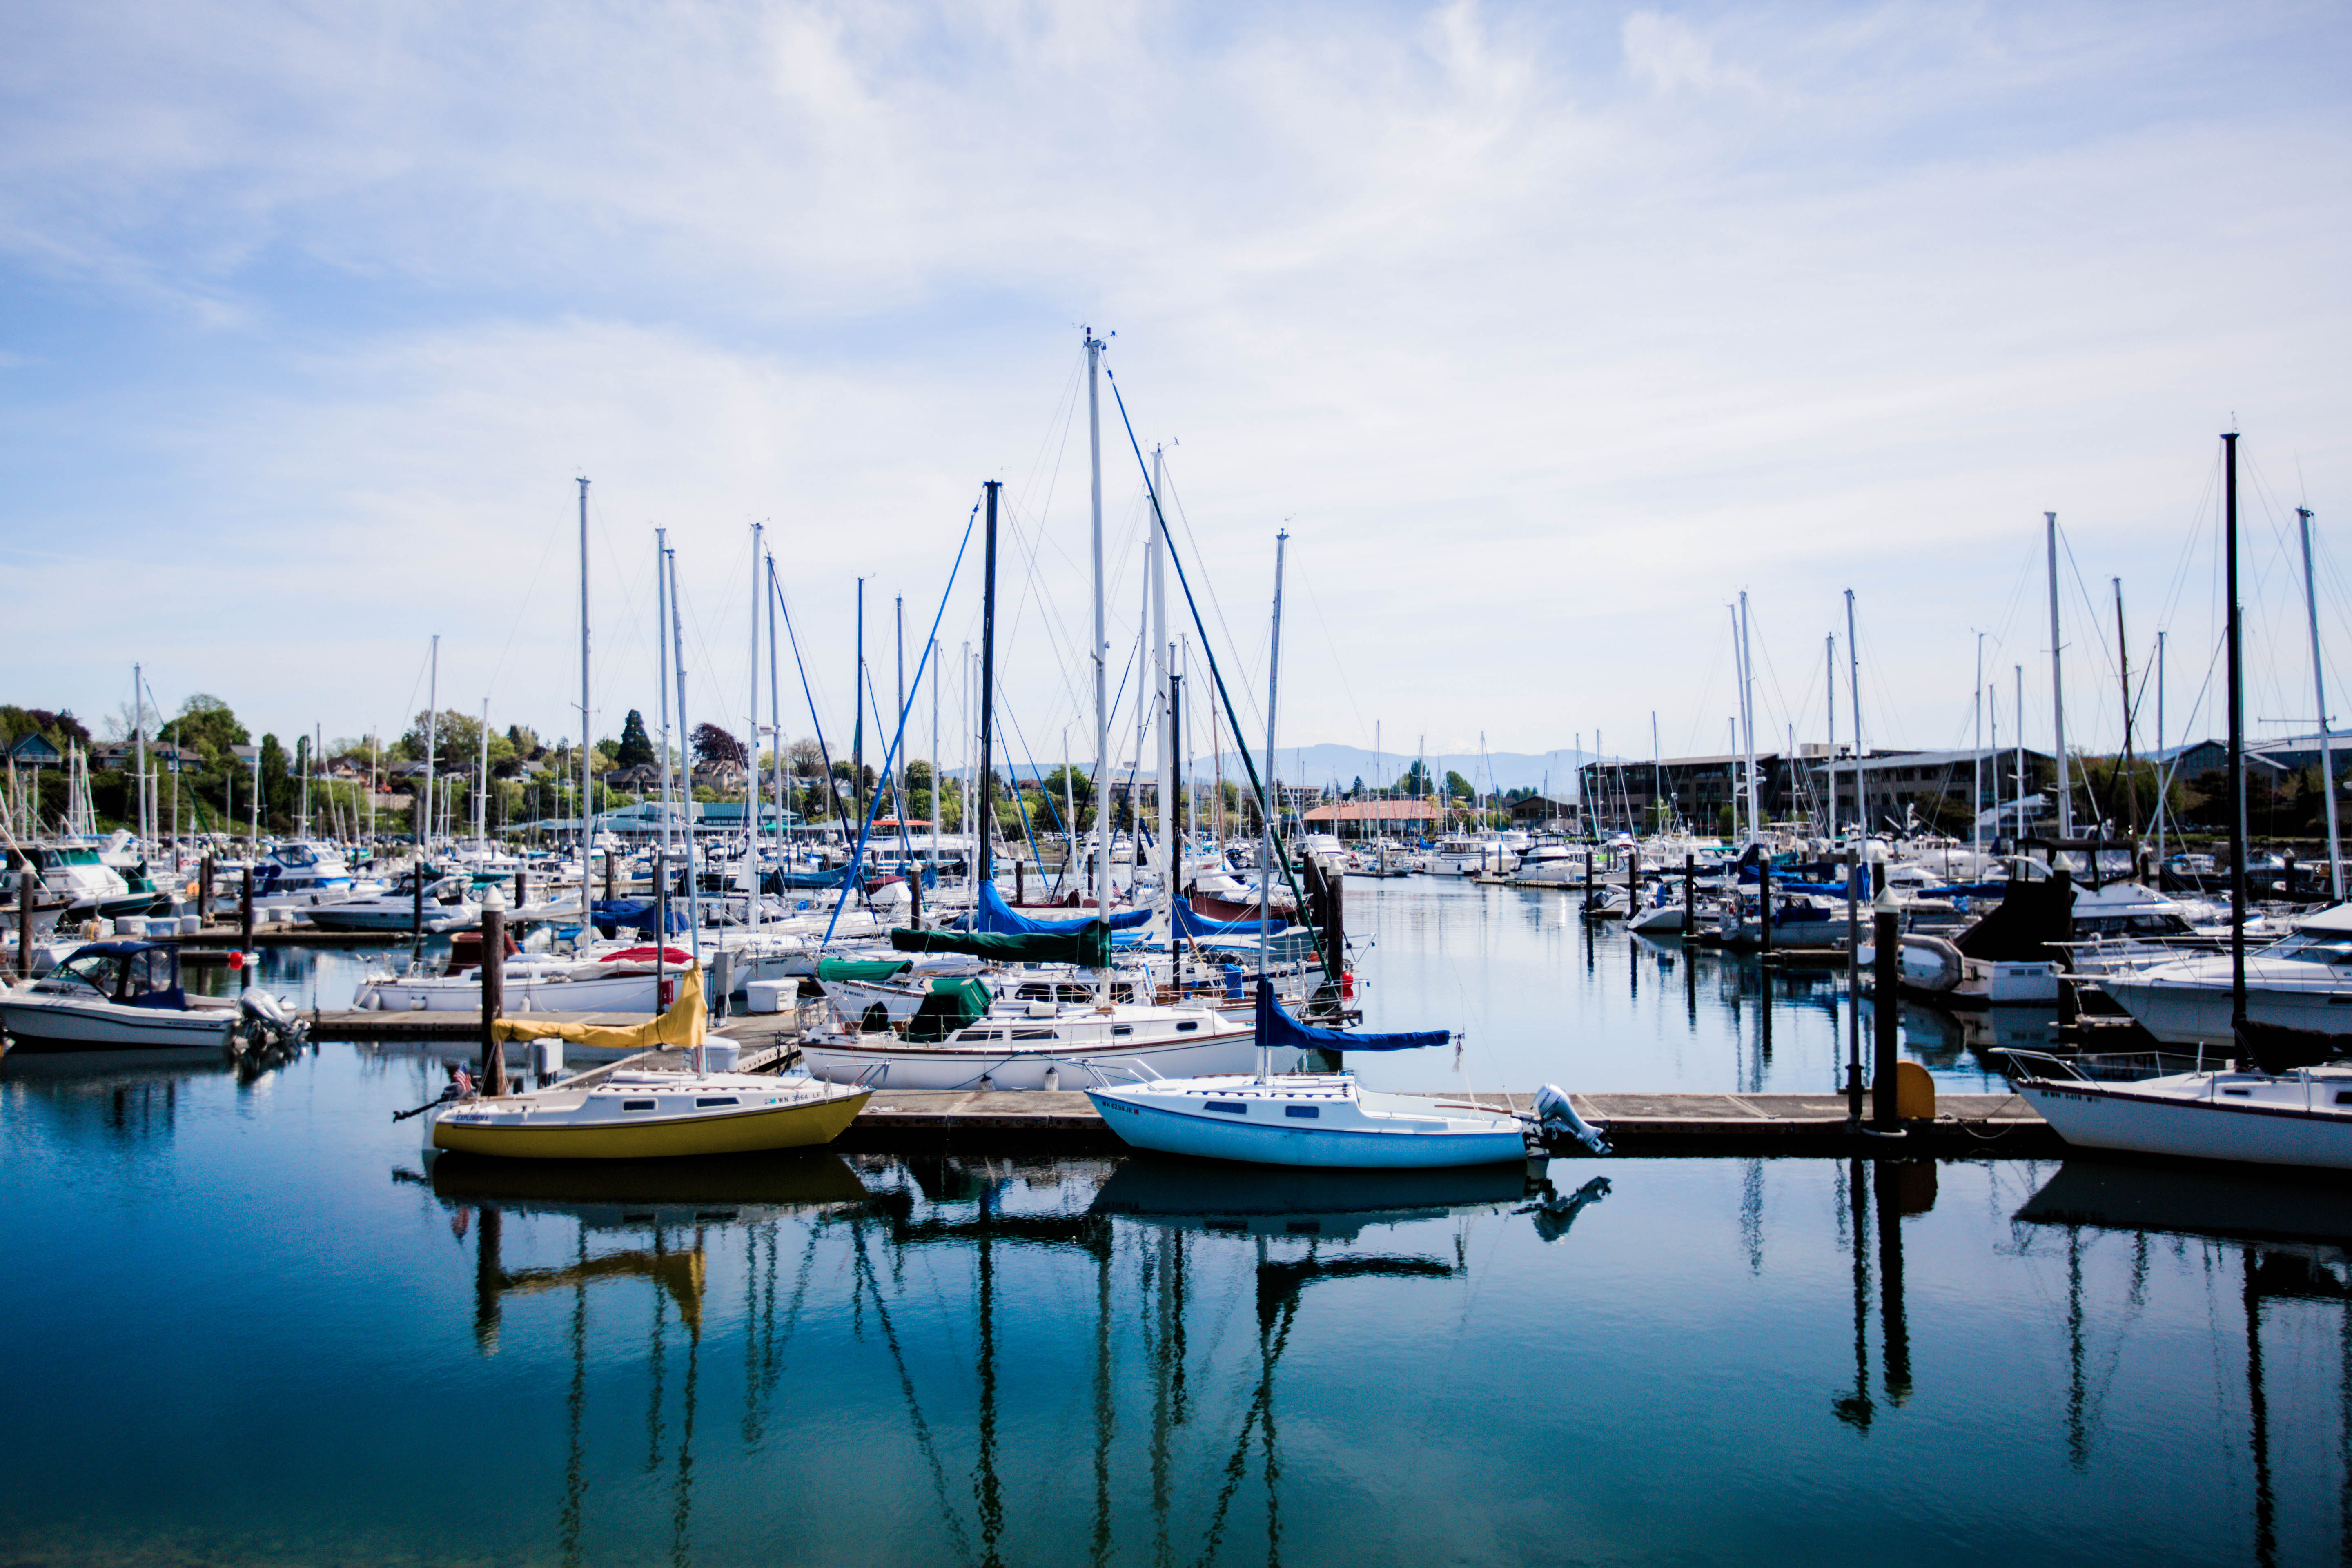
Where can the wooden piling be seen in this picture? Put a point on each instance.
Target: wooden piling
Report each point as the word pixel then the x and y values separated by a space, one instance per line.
pixel 522 894
pixel 494 955
pixel 416 911
pixel 1886 1015
pixel 1764 905
pixel 1632 883
pixel 244 931
pixel 1690 896
pixel 610 895
pixel 27 878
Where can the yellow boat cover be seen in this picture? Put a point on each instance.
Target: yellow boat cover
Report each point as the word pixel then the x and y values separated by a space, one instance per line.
pixel 684 1026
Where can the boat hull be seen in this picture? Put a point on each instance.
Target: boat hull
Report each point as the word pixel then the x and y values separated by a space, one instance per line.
pixel 2197 1014
pixel 597 993
pixel 1142 1125
pixel 2117 1119
pixel 460 1129
pixel 44 1028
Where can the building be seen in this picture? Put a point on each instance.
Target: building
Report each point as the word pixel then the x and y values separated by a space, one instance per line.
pixel 1372 818
pixel 34 751
pixel 1543 814
pixel 1900 784
pixel 122 756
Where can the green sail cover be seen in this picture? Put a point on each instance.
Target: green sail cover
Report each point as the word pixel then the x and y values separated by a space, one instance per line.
pixel 1089 949
pixel 871 971
pixel 954 1003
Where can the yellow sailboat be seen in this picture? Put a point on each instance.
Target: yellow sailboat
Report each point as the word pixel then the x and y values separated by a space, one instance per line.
pixel 642 1114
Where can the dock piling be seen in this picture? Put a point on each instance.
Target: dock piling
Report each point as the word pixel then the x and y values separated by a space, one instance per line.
pixel 26 880
pixel 494 954
pixel 1690 897
pixel 1764 907
pixel 245 931
pixel 1885 1010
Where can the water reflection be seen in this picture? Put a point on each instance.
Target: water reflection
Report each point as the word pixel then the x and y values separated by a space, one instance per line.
pixel 2290 1237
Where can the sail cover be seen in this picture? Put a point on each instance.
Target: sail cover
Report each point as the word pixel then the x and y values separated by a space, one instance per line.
pixel 1088 946
pixel 1189 923
pixel 996 915
pixel 1277 1030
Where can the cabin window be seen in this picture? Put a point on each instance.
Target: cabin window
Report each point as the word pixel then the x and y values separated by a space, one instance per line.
pixel 1227 1107
pixel 719 1100
pixel 1304 1113
pixel 1119 1029
pixel 2238 1091
pixel 1033 1034
pixel 1186 1028
pixel 639 1104
pixel 2344 1096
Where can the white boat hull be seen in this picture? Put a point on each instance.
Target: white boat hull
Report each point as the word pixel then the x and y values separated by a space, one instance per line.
pixel 2180 1015
pixel 40 1024
pixel 1386 1132
pixel 596 994
pixel 2119 1118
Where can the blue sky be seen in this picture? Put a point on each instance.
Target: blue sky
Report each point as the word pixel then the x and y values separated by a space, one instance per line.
pixel 1547 330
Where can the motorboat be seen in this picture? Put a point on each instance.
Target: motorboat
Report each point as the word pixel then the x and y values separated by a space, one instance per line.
pixel 1551 865
pixel 2303 981
pixel 1460 855
pixel 446 907
pixel 1312 1119
pixel 638 979
pixel 2299 1118
pixel 127 996
pixel 303 869
pixel 91 888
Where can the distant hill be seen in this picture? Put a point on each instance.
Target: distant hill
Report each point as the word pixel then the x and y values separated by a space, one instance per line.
pixel 1328 764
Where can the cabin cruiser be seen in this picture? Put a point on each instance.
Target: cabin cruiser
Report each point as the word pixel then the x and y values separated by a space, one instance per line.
pixel 304 870
pixel 446 906
pixel 946 1044
pixel 127 996
pixel 91 888
pixel 2303 981
pixel 636 979
pixel 1551 865
pixel 1464 855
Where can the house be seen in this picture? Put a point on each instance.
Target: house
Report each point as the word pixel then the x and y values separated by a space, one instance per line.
pixel 643 779
pixel 122 756
pixel 34 751
pixel 1543 814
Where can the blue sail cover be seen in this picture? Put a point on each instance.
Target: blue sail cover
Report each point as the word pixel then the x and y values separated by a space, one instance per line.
pixel 1277 1030
pixel 1189 923
pixel 996 915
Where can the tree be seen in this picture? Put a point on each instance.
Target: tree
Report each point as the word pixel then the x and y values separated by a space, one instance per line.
pixel 713 745
pixel 636 747
pixel 806 758
pixel 1415 782
pixel 206 726
pixel 276 785
pixel 1459 787
pixel 457 740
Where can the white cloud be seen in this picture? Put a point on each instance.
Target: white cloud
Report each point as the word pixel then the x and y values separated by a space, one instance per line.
pixel 1550 331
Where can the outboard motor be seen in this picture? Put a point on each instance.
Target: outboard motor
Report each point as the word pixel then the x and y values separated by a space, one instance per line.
pixel 274 1024
pixel 1555 1114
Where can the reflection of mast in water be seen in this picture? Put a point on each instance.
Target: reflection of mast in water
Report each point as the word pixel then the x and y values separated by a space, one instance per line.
pixel 1854 1409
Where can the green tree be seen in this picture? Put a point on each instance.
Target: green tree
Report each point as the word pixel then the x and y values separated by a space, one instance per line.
pixel 277 783
pixel 456 738
pixel 205 725
pixel 1459 787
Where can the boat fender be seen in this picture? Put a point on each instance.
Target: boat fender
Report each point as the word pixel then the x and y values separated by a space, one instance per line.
pixel 1555 1113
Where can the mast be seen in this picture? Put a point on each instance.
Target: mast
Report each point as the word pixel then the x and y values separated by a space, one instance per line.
pixel 432 737
pixel 1658 777
pixel 857 732
pixel 1265 806
pixel 2163 774
pixel 661 683
pixel 1102 654
pixel 1829 687
pixel 1163 678
pixel 2237 746
pixel 2017 711
pixel 2320 691
pixel 693 883
pixel 482 804
pixel 939 791
pixel 1975 762
pixel 1747 719
pixel 139 732
pixel 776 725
pixel 751 757
pixel 987 803
pixel 1854 685
pixel 2123 653
pixel 2058 691
pixel 587 716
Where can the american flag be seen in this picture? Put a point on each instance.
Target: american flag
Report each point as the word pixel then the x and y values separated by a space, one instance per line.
pixel 464 1080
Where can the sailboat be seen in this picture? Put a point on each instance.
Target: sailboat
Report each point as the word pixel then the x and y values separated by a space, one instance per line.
pixel 2298 1116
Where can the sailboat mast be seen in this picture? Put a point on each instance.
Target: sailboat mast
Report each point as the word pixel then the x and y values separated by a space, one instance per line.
pixel 938 792
pixel 661 682
pixel 2162 774
pixel 1265 806
pixel 1853 691
pixel 1162 675
pixel 587 718
pixel 2237 745
pixel 685 778
pixel 776 723
pixel 1975 762
pixel 2123 653
pixel 2058 691
pixel 1101 648
pixel 986 818
pixel 1829 689
pixel 482 802
pixel 423 824
pixel 2017 709
pixel 751 755
pixel 1748 719
pixel 2319 692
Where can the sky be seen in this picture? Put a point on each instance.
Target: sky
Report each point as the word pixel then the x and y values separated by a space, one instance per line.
pixel 1546 331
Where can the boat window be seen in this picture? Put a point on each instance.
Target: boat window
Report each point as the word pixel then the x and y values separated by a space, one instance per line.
pixel 1033 1034
pixel 1227 1107
pixel 639 1104
pixel 2237 1091
pixel 150 971
pixel 2334 950
pixel 1186 1028
pixel 2344 1096
pixel 719 1100
pixel 99 971
pixel 1304 1113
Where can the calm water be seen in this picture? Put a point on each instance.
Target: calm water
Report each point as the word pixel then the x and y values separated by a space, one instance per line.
pixel 250 1327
